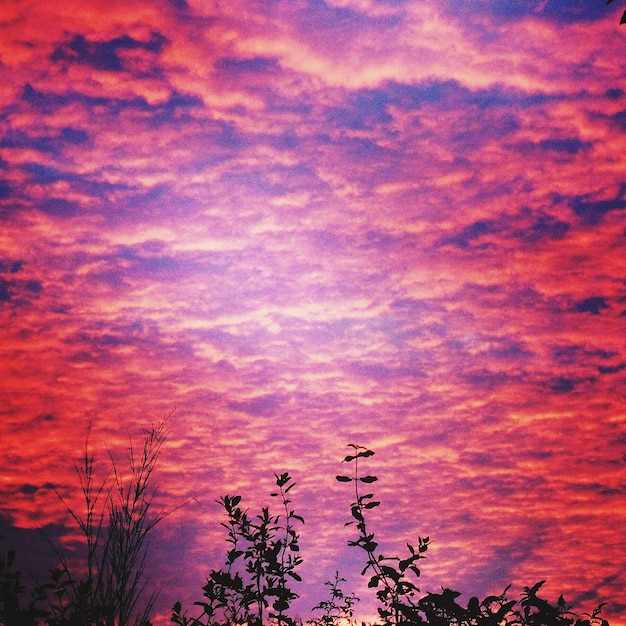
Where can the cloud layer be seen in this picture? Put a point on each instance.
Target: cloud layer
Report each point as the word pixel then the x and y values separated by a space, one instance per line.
pixel 309 224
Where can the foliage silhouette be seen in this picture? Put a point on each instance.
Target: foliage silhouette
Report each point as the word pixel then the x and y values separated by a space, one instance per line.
pixel 397 595
pixel 115 526
pixel 260 564
pixel 395 591
pixel 338 609
pixel 255 585
pixel 260 561
pixel 11 589
pixel 116 538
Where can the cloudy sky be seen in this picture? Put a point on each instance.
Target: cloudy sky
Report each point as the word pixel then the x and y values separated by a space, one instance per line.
pixel 300 224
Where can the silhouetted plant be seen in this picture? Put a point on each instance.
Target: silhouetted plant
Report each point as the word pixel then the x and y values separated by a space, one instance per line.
pixel 255 586
pixel 394 591
pixel 129 523
pixel 444 610
pixel 11 590
pixel 338 609
pixel 262 560
pixel 80 601
pixel 536 611
pixel 116 524
pixel 397 595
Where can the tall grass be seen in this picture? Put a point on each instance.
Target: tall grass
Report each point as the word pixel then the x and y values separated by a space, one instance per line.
pixel 115 523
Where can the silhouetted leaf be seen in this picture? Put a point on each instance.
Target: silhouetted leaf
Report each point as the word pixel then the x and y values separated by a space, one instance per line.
pixel 368 479
pixel 531 591
pixel 389 571
pixel 402 565
pixel 356 513
pixel 233 555
pixel 504 609
pixel 372 505
pixel 344 479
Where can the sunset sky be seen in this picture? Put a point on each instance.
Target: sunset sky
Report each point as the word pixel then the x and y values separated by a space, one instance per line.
pixel 299 224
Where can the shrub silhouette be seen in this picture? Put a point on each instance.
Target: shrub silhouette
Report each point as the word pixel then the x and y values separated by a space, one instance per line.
pixel 11 590
pixel 239 593
pixel 396 594
pixel 255 585
pixel 338 609
pixel 260 565
pixel 387 574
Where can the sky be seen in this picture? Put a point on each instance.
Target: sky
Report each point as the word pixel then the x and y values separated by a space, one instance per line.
pixel 296 225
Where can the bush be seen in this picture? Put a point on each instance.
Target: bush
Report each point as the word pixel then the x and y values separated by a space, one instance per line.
pixel 255 586
pixel 242 591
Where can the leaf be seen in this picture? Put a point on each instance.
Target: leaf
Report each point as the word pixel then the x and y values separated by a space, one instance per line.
pixel 368 479
pixel 531 591
pixel 365 454
pixel 233 555
pixel 623 20
pixel 504 609
pixel 372 505
pixel 344 479
pixel 389 571
pixel 404 564
pixel 356 513
pixel 349 458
